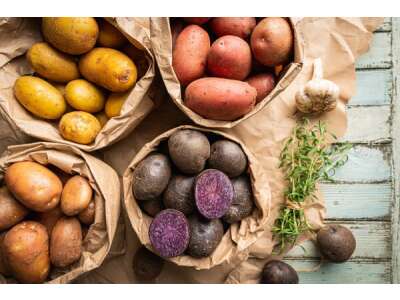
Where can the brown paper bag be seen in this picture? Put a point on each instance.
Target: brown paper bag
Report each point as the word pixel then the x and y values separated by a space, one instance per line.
pixel 236 239
pixel 106 186
pixel 18 34
pixel 338 42
pixel 161 39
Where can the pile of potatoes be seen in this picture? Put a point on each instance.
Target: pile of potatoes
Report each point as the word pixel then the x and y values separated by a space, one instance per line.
pixel 228 64
pixel 84 71
pixel 44 217
pixel 194 186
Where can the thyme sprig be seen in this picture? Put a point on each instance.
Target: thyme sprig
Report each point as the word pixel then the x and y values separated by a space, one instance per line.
pixel 306 159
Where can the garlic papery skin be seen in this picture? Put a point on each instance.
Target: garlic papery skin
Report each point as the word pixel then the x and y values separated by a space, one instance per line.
pixel 318 95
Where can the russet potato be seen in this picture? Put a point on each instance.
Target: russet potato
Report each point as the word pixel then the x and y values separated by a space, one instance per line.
pixel 76 195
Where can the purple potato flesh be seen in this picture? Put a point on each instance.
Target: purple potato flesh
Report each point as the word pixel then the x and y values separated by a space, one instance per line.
pixel 169 233
pixel 213 193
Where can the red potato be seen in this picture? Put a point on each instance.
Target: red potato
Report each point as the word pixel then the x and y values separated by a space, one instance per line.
pixel 241 27
pixel 264 83
pixel 189 57
pixel 220 98
pixel 196 20
pixel 272 41
pixel 229 57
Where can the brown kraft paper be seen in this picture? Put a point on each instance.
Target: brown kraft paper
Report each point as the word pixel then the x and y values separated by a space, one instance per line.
pixel 17 35
pixel 105 183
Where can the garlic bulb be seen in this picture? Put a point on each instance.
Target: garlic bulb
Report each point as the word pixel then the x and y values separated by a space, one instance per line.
pixel 318 95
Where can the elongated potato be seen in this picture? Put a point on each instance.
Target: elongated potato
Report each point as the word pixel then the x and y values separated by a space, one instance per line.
pixel 66 242
pixel 110 36
pixel 79 126
pixel 189 57
pixel 238 26
pixel 39 97
pixel 219 98
pixel 85 96
pixel 34 185
pixel 51 63
pixel 76 195
pixel 26 250
pixel 70 35
pixel 11 211
pixel 109 68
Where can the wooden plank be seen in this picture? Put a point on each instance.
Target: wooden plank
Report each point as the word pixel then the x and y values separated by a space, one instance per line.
pixel 396 152
pixel 349 272
pixel 366 164
pixel 379 54
pixel 358 201
pixel 373 242
pixel 368 124
pixel 374 87
pixel 386 26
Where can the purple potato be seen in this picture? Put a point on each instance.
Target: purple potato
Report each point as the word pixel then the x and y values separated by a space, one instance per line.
pixel 278 272
pixel 189 150
pixel 151 207
pixel 228 157
pixel 146 265
pixel 179 194
pixel 151 176
pixel 205 235
pixel 242 203
pixel 169 233
pixel 213 193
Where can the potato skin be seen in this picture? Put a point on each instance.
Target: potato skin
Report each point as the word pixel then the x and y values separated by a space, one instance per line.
pixel 11 211
pixel 196 20
pixel 272 41
pixel 189 57
pixel 70 35
pixel 87 215
pixel 49 218
pixel 34 185
pixel 114 104
pixel 264 83
pixel 39 97
pixel 51 63
pixel 76 195
pixel 110 36
pixel 238 26
pixel 4 268
pixel 80 127
pixel 26 249
pixel 85 96
pixel 66 242
pixel 219 98
pixel 109 68
pixel 229 57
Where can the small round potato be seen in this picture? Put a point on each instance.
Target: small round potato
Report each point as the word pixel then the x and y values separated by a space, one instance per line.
pixel 49 218
pixel 76 195
pixel 34 185
pixel 151 207
pixel 39 97
pixel 26 250
pixel 238 26
pixel 109 68
pixel 264 83
pixel 51 63
pixel 70 35
pixel 110 36
pixel 85 96
pixel 114 104
pixel 66 242
pixel 87 215
pixel 11 211
pixel 179 194
pixel 80 127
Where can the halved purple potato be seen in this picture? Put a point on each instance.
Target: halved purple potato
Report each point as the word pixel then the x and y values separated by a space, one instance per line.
pixel 213 193
pixel 179 194
pixel 205 235
pixel 242 204
pixel 169 233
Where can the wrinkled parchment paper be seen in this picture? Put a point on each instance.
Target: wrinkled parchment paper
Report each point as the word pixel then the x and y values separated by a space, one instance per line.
pixel 106 186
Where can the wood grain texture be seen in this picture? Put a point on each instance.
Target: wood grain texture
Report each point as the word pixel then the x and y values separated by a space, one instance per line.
pixel 379 54
pixel 386 25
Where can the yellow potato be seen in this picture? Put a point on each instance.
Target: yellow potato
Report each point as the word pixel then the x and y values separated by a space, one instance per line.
pixel 110 36
pixel 76 195
pixel 51 63
pixel 114 104
pixel 85 96
pixel 109 68
pixel 34 185
pixel 71 35
pixel 102 118
pixel 39 97
pixel 80 127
